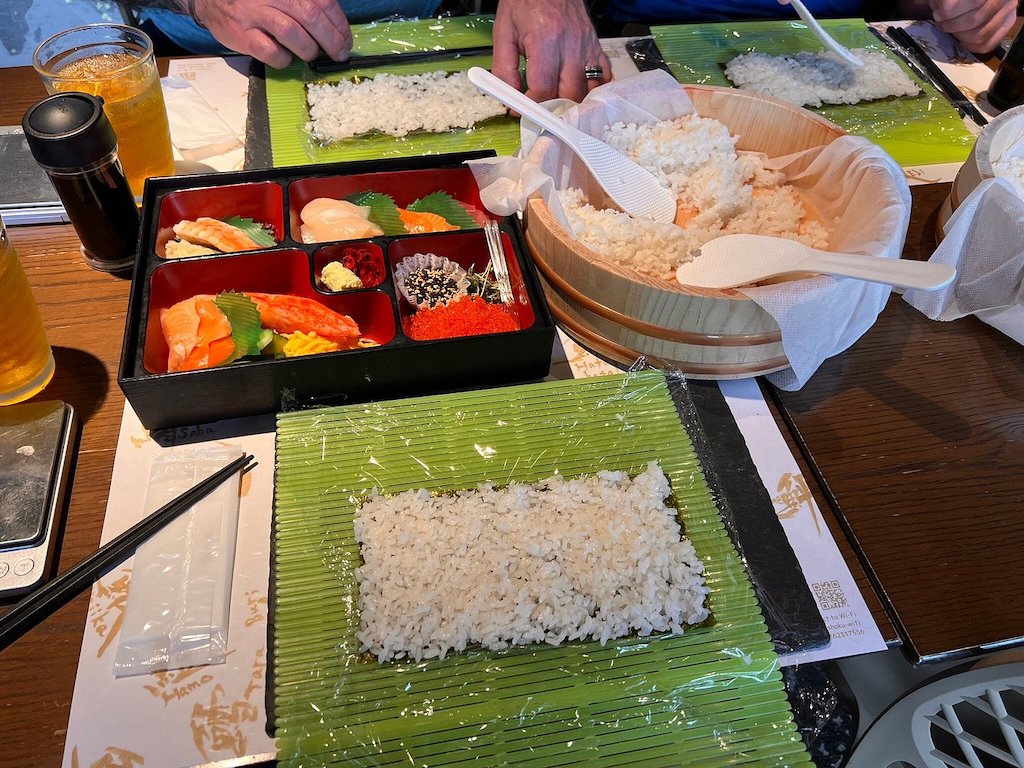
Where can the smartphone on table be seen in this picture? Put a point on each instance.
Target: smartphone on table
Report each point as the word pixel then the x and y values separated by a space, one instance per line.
pixel 37 447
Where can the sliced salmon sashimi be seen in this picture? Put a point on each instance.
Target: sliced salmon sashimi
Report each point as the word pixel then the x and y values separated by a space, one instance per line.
pixel 214 233
pixel 198 334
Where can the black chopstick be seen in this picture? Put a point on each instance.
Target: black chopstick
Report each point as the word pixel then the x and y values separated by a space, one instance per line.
pixel 44 601
pixel 322 65
pixel 956 97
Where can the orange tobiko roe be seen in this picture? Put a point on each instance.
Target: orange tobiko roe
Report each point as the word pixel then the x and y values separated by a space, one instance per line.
pixel 466 316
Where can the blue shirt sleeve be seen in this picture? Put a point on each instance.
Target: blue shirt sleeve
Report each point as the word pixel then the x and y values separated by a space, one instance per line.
pixel 188 35
pixel 623 11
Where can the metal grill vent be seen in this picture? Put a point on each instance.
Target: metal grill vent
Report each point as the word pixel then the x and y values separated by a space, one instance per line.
pixel 967 719
pixel 982 731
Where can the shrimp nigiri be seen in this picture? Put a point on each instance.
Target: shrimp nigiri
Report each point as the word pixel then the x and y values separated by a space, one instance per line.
pixel 284 314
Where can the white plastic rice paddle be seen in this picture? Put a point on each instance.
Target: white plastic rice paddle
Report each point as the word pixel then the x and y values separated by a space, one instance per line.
pixel 633 189
pixel 732 260
pixel 823 36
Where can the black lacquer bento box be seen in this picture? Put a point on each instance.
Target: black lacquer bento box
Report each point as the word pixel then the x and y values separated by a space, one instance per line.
pixel 396 365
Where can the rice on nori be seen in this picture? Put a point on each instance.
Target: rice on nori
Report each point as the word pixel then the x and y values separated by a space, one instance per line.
pixel 555 561
pixel 812 79
pixel 396 105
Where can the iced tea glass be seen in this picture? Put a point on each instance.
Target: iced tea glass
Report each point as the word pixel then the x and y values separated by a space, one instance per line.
pixel 115 62
pixel 26 360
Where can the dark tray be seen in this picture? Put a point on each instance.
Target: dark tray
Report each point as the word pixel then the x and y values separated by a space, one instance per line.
pixel 788 606
pixel 399 366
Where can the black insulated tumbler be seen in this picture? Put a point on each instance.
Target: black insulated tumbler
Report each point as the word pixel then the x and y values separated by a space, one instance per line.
pixel 71 138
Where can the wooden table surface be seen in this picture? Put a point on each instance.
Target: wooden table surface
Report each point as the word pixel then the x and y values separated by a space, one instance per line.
pixel 916 436
pixel 912 432
pixel 84 313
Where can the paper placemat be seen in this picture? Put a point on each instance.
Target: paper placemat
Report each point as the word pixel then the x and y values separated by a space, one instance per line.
pixel 197 715
pixel 851 627
pixel 215 714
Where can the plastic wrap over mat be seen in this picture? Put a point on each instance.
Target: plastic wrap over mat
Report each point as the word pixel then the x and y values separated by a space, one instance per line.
pixel 710 696
pixel 915 131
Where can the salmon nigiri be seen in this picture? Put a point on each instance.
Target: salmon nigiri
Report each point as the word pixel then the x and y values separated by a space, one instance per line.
pixel 198 334
pixel 418 222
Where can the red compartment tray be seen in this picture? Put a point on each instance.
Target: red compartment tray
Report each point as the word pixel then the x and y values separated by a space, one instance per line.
pixel 398 365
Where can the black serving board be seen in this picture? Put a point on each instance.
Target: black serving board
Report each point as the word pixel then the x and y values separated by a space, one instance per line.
pixel 787 604
pixel 258 153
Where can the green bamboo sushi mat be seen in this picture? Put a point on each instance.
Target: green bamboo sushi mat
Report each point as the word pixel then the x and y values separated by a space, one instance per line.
pixel 288 112
pixel 921 130
pixel 712 697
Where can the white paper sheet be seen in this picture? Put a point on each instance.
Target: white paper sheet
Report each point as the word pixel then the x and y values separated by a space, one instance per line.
pixel 185 717
pixel 849 621
pixel 214 94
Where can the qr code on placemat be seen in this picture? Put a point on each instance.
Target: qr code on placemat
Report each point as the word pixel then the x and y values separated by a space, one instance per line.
pixel 829 595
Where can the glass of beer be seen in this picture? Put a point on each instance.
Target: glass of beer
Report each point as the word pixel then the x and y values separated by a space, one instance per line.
pixel 115 62
pixel 26 361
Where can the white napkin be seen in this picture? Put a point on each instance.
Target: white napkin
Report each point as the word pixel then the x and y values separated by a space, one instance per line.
pixel 984 241
pixel 198 132
pixel 850 182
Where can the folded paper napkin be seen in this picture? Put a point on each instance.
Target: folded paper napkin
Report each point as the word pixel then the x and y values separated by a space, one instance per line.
pixel 984 241
pixel 199 134
pixel 859 192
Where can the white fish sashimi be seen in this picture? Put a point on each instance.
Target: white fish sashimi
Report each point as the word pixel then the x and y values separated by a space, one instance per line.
pixel 325 219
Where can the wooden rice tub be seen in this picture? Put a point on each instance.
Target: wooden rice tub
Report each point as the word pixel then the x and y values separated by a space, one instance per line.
pixel 622 314
pixel 978 165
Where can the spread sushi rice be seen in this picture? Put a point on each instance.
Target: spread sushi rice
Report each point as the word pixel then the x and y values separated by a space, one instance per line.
pixel 718 190
pixel 550 562
pixel 396 105
pixel 812 79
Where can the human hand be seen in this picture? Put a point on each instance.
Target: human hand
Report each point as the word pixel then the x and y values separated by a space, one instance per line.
pixel 558 40
pixel 980 25
pixel 273 30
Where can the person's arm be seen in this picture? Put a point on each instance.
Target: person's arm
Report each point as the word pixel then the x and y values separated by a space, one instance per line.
pixel 558 40
pixel 979 25
pixel 269 30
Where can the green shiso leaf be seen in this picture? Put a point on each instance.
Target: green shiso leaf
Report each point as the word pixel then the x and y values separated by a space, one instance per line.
pixel 447 207
pixel 244 318
pixel 257 232
pixel 383 211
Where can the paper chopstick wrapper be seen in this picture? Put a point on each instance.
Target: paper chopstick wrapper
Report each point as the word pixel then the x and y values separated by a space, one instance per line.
pixel 859 193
